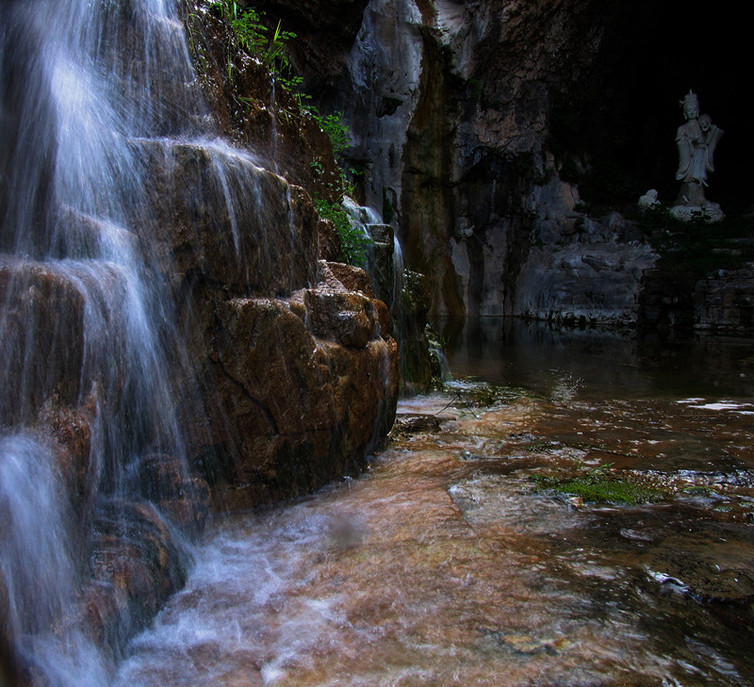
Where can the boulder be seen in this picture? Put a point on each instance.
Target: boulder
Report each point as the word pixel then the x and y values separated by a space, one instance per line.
pixel 296 391
pixel 134 565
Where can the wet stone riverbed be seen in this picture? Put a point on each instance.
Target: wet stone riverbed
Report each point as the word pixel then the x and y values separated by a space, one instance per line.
pixel 449 563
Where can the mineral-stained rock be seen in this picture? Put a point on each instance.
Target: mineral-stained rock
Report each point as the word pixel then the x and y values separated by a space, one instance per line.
pixel 352 278
pixel 296 390
pixel 345 317
pixel 70 431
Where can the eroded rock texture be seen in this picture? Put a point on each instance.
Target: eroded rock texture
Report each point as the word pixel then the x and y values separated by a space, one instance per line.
pixel 500 137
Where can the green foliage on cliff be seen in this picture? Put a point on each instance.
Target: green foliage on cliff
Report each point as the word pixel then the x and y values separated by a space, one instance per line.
pixel 334 127
pixel 249 34
pixel 353 242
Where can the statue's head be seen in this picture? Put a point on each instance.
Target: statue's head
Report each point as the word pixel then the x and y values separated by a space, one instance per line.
pixel 690 105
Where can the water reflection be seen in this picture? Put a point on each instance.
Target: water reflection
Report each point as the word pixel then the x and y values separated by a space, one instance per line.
pixel 599 363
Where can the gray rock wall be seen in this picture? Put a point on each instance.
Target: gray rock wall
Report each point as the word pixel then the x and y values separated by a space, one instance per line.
pixel 479 126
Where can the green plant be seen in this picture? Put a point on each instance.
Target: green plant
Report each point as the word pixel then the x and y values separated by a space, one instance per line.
pixel 599 484
pixel 275 55
pixel 334 127
pixel 353 242
pixel 317 167
pixel 247 32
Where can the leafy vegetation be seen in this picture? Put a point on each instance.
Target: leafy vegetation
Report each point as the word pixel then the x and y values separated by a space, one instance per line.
pixel 334 127
pixel 249 33
pixel 353 242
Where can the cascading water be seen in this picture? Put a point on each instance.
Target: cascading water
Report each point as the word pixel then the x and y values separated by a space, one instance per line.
pixel 384 255
pixel 92 95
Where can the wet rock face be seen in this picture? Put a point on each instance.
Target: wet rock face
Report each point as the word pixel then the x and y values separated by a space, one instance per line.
pixel 221 215
pixel 47 309
pixel 254 111
pixel 297 391
pixel 332 24
pixel 448 104
pixel 586 273
pixel 513 231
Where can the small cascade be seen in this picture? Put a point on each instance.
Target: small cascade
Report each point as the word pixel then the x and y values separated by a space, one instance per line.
pixel 274 124
pixel 36 550
pixel 384 254
pixel 422 358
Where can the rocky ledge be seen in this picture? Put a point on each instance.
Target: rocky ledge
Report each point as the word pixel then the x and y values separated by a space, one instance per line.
pixel 295 391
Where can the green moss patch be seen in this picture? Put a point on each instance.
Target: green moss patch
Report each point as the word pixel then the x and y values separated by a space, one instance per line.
pixel 600 485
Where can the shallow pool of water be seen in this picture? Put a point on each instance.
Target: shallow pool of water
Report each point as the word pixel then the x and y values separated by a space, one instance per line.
pixel 447 563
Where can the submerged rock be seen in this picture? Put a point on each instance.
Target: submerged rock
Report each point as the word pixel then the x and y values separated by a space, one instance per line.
pixel 135 563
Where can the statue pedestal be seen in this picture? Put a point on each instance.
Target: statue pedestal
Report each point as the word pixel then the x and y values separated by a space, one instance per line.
pixel 691 193
pixel 708 212
pixel 691 204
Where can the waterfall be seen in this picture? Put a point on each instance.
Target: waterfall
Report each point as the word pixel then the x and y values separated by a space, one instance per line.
pixel 93 96
pixel 158 288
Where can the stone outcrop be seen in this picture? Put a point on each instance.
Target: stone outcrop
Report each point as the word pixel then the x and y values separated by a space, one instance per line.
pixel 295 391
pixel 477 126
pixel 724 301
pixel 580 271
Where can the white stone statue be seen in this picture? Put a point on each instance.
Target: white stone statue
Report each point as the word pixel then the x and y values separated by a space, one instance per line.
pixel 696 141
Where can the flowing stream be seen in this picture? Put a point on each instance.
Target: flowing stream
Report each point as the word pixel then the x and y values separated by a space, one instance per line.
pixel 446 563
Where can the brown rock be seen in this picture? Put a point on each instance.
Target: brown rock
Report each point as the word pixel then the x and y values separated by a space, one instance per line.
pixel 42 346
pixel 222 216
pixel 343 316
pixel 134 565
pixel 295 399
pixel 71 436
pixel 351 277
pixel 166 482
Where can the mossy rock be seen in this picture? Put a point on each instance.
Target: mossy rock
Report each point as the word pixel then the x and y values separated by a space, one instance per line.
pixel 601 485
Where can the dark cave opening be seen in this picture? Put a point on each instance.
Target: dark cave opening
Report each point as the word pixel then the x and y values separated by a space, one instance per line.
pixel 617 139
